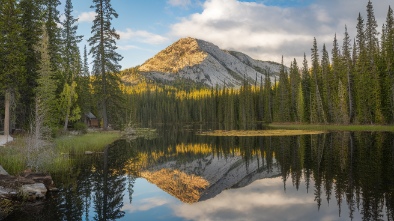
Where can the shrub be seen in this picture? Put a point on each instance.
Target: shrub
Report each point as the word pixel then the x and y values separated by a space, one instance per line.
pixel 81 127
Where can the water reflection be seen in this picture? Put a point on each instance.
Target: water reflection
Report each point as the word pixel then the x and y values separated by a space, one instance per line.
pixel 336 176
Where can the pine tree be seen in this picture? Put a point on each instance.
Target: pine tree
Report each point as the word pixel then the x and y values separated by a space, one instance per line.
pixel 72 67
pixel 268 97
pixel 52 22
pixel 306 90
pixel 348 70
pixel 295 80
pixel 105 57
pixel 70 43
pixel 284 94
pixel 83 86
pixel 387 56
pixel 12 57
pixel 46 90
pixel 317 110
pixel 327 82
pixel 333 81
pixel 372 46
pixel 362 84
pixel 31 21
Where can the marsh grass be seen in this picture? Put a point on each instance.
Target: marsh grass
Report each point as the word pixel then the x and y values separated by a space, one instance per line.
pixel 95 141
pixel 377 128
pixel 13 156
pixel 258 133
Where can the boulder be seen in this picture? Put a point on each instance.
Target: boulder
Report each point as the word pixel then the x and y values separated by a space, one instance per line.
pixel 34 186
pixel 2 171
pixel 34 191
pixel 40 178
pixel 5 139
pixel 7 193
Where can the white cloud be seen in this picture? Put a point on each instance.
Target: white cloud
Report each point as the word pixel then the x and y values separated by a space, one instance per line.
pixel 268 32
pixel 127 47
pixel 142 36
pixel 181 3
pixel 86 16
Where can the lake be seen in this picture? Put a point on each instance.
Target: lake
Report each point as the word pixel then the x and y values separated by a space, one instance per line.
pixel 183 176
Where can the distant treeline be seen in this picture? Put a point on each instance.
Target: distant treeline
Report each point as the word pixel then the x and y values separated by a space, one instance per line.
pixel 355 86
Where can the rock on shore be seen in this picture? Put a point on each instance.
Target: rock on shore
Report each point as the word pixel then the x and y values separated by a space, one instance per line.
pixel 28 187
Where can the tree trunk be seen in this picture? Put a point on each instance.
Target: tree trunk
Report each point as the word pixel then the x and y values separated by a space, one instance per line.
pixel 7 114
pixel 105 116
pixel 67 111
pixel 103 70
pixel 66 121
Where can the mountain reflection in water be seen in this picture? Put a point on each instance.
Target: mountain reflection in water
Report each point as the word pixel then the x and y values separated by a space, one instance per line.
pixel 179 176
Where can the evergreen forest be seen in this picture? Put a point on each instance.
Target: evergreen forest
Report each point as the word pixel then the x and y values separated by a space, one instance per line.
pixel 45 78
pixel 352 84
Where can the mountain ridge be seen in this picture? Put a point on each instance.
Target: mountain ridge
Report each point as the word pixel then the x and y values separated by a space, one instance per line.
pixel 204 63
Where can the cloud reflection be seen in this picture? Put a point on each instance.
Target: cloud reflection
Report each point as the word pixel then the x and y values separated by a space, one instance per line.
pixel 146 204
pixel 262 200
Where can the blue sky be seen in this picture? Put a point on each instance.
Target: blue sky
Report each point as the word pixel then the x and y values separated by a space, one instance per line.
pixel 263 29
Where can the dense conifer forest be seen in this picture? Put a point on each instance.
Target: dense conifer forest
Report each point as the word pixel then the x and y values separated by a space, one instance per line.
pixel 43 75
pixel 352 84
pixel 44 78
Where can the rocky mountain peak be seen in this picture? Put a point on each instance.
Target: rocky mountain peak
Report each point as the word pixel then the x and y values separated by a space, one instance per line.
pixel 185 52
pixel 204 63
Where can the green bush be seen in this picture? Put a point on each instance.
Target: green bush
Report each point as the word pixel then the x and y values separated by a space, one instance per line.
pixel 57 132
pixel 81 127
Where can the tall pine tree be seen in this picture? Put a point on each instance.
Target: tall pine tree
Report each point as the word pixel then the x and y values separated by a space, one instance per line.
pixel 348 72
pixel 317 110
pixel 306 90
pixel 12 59
pixel 387 67
pixel 334 78
pixel 72 67
pixel 52 24
pixel 284 95
pixel 83 86
pixel 372 47
pixel 362 84
pixel 31 21
pixel 46 101
pixel 105 58
pixel 295 80
pixel 327 82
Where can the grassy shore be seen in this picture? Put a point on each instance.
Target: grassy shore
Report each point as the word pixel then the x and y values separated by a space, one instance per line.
pixel 95 141
pixel 331 127
pixel 13 156
pixel 259 133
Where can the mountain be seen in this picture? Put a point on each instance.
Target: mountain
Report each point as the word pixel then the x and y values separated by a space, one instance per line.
pixel 202 62
pixel 205 178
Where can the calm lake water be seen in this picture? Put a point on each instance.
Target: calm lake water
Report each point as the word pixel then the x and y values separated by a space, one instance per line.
pixel 181 176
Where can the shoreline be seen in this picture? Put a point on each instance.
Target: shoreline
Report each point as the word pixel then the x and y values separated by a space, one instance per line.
pixel 333 127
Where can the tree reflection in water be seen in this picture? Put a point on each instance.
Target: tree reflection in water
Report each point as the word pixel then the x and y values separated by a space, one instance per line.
pixel 341 168
pixel 353 168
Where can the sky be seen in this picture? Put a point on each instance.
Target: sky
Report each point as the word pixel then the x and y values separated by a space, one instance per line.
pixel 263 29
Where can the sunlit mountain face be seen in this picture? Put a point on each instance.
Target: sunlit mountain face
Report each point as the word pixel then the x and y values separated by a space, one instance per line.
pixel 203 63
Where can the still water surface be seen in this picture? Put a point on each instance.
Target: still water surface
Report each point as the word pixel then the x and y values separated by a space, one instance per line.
pixel 181 176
